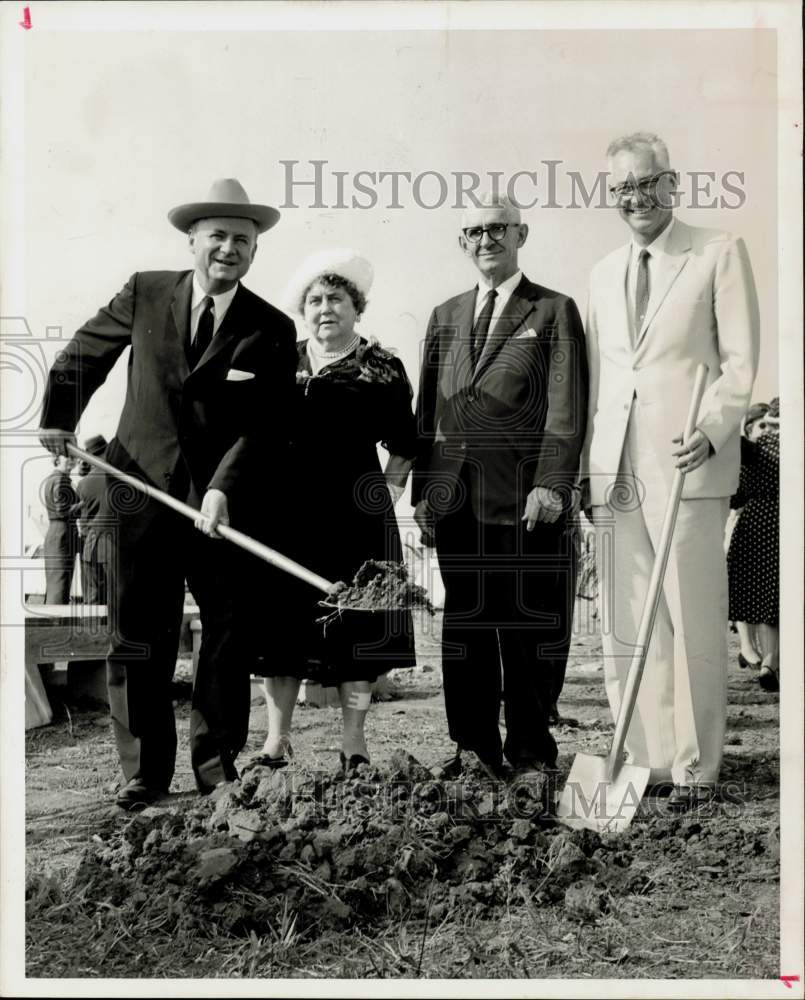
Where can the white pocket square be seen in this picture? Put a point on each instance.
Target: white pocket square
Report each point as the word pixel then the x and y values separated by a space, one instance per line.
pixel 236 375
pixel 526 333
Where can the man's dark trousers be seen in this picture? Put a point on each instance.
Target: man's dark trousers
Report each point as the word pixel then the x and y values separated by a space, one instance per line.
pixel 146 609
pixel 504 621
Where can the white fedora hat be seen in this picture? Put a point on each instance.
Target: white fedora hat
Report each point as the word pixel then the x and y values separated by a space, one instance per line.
pixel 227 200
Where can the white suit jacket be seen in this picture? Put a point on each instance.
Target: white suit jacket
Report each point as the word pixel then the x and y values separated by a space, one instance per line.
pixel 703 308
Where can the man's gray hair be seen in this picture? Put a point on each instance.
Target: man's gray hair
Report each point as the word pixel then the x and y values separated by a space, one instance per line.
pixel 493 199
pixel 638 142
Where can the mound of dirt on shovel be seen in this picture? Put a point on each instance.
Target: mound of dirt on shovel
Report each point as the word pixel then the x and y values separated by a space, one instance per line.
pixel 383 586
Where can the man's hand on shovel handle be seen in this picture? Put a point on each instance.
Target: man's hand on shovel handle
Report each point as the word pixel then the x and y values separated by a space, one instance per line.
pixel 56 440
pixel 693 454
pixel 214 511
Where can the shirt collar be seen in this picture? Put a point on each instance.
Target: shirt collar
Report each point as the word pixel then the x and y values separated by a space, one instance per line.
pixel 658 245
pixel 221 302
pixel 504 289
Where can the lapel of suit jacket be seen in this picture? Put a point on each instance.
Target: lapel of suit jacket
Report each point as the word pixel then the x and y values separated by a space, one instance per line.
pixel 616 290
pixel 177 332
pixel 515 312
pixel 459 368
pixel 227 332
pixel 669 266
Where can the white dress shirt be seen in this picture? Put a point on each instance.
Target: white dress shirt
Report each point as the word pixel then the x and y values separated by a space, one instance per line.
pixel 220 304
pixel 504 291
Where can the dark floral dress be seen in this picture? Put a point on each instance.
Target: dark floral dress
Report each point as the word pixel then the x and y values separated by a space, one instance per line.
pixel 339 514
pixel 753 560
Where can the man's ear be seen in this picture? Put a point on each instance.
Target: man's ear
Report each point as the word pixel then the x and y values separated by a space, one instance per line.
pixel 463 244
pixel 254 251
pixel 523 235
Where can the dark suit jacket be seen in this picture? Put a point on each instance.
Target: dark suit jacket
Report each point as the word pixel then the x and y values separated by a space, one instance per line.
pixel 91 490
pixel 183 431
pixel 515 421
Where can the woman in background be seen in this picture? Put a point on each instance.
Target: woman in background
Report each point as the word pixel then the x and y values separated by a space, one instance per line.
pixel 753 555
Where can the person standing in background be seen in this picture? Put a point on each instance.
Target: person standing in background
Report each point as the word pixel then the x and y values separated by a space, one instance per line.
pixel 753 557
pixel 94 540
pixel 61 541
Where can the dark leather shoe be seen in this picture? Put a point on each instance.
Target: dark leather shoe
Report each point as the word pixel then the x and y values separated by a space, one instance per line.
pixel 136 795
pixel 686 797
pixel 494 770
pixel 449 769
pixel 659 790
pixel 743 663
pixel 353 762
pixel 768 678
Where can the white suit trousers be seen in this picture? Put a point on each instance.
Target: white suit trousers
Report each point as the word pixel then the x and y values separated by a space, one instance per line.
pixel 678 726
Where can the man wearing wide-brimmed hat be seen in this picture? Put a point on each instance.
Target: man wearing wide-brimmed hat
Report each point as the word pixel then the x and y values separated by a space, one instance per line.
pixel 211 365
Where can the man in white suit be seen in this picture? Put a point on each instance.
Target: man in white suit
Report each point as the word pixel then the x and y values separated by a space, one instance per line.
pixel 674 297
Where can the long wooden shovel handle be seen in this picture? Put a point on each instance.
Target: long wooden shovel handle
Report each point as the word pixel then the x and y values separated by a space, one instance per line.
pixel 230 534
pixel 652 602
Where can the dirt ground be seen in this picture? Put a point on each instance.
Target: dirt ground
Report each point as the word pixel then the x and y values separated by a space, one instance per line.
pixel 271 883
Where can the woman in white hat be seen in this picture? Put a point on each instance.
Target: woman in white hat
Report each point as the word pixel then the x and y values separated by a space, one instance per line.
pixel 351 394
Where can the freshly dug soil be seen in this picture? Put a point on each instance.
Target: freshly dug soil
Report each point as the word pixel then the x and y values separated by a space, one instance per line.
pixel 389 873
pixel 383 586
pixel 382 843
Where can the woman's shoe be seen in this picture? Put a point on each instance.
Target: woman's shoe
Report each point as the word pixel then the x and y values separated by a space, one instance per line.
pixel 769 678
pixel 264 759
pixel 743 663
pixel 353 762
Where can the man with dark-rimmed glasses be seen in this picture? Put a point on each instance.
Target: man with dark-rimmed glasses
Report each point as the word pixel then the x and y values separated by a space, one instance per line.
pixel 501 414
pixel 674 297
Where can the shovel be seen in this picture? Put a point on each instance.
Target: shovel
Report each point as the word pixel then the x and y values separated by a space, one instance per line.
pixel 231 534
pixel 603 793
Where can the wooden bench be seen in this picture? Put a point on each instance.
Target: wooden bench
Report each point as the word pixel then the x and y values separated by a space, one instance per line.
pixel 65 636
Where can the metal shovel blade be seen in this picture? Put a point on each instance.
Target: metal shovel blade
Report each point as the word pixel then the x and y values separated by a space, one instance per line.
pixel 592 799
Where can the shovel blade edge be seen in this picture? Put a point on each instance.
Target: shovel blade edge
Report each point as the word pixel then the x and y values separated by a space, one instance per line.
pixel 591 800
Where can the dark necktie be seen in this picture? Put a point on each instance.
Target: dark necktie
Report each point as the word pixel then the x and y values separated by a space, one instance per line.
pixel 203 332
pixel 481 328
pixel 642 292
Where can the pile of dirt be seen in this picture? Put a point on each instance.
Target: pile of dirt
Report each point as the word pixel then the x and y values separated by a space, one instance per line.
pixel 323 851
pixel 383 586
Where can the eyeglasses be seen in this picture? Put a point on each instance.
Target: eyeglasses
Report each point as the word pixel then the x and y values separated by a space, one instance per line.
pixel 646 187
pixel 496 231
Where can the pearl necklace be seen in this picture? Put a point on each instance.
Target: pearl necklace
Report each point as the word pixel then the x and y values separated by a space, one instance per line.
pixel 313 347
pixel 319 359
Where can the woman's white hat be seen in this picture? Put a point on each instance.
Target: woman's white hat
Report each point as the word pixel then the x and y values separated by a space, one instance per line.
pixel 342 261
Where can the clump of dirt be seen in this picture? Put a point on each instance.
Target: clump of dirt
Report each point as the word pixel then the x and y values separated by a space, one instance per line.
pixel 383 586
pixel 331 851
